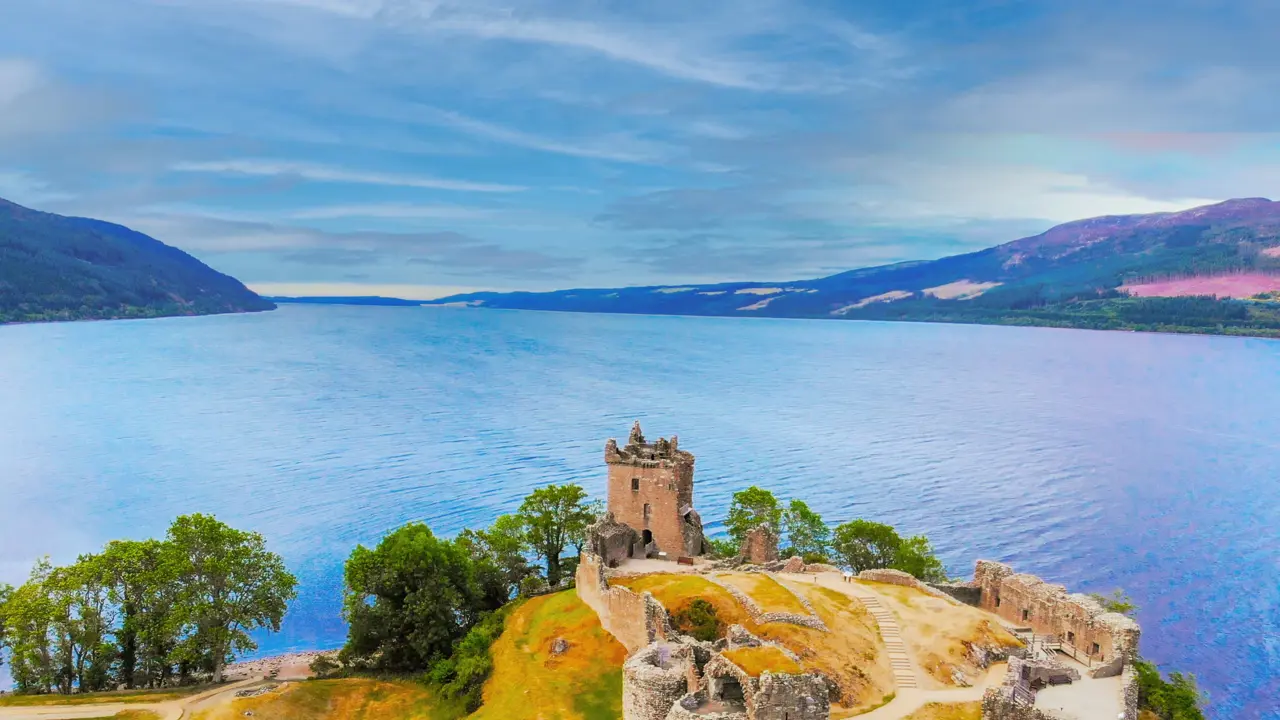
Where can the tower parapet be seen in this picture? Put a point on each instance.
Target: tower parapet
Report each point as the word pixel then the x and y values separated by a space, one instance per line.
pixel 637 452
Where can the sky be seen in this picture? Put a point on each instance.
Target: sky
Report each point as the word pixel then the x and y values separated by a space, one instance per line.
pixel 415 148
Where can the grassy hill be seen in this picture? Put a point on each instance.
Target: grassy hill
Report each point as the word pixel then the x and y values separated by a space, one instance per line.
pixel 67 268
pixel 1080 274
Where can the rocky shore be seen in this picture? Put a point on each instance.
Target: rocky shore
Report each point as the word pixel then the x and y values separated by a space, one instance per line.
pixel 289 666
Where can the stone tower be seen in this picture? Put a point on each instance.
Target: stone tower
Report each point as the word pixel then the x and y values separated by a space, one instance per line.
pixel 651 490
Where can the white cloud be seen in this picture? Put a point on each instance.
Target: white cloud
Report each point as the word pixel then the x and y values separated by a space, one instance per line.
pixel 325 173
pixel 393 211
pixel 25 189
pixel 618 147
pixel 930 193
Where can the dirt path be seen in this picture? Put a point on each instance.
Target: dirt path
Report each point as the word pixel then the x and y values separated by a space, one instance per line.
pixel 167 710
pixel 909 696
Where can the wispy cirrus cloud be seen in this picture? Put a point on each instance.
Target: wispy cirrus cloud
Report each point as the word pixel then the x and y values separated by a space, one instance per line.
pixel 324 173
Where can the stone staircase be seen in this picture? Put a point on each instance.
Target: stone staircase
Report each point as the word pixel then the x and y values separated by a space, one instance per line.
pixel 904 670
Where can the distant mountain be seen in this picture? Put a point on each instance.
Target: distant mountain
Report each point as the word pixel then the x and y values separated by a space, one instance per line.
pixel 343 300
pixel 68 268
pixel 1095 273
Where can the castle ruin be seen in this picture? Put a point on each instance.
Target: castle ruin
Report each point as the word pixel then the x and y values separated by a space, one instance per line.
pixel 651 493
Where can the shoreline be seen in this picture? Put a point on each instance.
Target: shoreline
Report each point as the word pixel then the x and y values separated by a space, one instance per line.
pixel 284 666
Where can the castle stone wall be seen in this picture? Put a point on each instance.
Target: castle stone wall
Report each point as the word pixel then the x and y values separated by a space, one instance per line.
pixel 760 546
pixel 635 619
pixel 1109 639
pixel 654 679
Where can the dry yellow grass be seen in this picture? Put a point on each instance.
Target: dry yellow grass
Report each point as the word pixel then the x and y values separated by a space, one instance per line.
pixel 529 681
pixel 345 699
pixel 940 632
pixel 122 696
pixel 852 654
pixel 765 591
pixel 756 660
pixel 675 591
pixel 948 711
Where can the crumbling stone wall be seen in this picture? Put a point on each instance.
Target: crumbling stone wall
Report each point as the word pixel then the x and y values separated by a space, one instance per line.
pixel 789 697
pixel 654 679
pixel 997 706
pixel 1129 688
pixel 635 619
pixel 760 546
pixel 1109 639
pixel 611 540
pixel 967 593
pixel 651 489
pixel 897 577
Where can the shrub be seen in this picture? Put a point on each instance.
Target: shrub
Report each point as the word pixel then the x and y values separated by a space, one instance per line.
pixel 325 666
pixel 698 619
pixel 1177 698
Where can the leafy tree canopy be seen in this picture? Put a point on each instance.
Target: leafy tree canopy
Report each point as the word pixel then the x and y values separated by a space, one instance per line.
pixel 865 545
pixel 408 600
pixel 231 584
pixel 806 533
pixel 750 508
pixel 554 517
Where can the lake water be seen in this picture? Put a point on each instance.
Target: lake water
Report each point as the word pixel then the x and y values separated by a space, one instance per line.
pixel 1098 460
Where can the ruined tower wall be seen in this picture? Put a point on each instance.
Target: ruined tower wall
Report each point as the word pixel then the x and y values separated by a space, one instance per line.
pixel 635 619
pixel 1077 620
pixel 653 680
pixel 665 488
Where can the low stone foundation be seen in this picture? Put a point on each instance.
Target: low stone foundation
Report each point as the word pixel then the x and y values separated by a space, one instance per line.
pixel 897 577
pixel 996 706
pixel 760 616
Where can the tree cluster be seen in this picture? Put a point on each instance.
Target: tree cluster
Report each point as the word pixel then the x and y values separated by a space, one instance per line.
pixel 418 602
pixel 144 613
pixel 857 544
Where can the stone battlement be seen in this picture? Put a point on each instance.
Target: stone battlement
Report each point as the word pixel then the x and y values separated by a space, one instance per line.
pixel 637 452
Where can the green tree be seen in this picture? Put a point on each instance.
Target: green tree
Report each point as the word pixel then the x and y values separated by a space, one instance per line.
pixel 554 517
pixel 807 534
pixel 1177 698
pixel 142 580
pixel 752 507
pixel 29 621
pixel 865 545
pixel 499 554
pixel 83 619
pixel 230 584
pixel 408 600
pixel 915 556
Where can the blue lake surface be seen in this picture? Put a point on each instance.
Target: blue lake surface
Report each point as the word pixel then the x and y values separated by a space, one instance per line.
pixel 1097 460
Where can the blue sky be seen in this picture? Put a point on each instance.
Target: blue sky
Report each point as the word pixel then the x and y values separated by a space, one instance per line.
pixel 416 147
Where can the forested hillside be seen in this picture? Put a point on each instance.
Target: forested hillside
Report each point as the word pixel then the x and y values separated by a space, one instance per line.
pixel 1104 273
pixel 67 268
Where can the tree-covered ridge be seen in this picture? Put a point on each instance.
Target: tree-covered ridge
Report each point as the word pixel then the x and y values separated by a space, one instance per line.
pixel 143 613
pixel 1069 276
pixel 65 268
